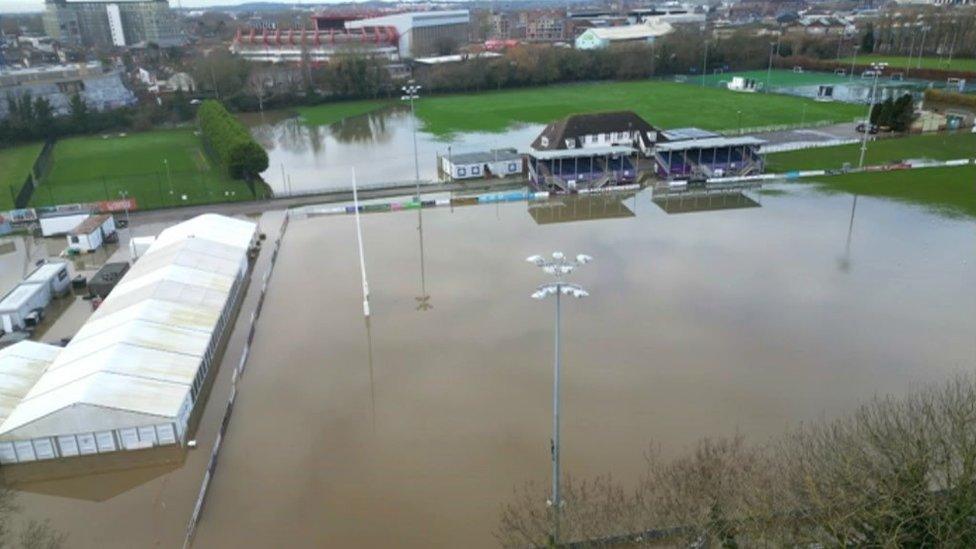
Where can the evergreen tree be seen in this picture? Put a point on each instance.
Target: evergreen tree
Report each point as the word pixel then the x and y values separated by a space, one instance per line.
pixel 867 41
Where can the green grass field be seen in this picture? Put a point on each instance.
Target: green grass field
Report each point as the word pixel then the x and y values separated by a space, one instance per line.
pixel 779 78
pixel 901 62
pixel 947 191
pixel 87 169
pixel 330 113
pixel 881 151
pixel 15 164
pixel 664 104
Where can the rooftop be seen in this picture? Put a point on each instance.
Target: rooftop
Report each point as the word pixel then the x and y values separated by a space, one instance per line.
pixel 578 125
pixel 709 143
pixel 485 156
pixel 134 361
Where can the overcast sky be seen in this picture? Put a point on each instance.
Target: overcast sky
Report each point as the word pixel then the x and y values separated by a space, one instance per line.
pixel 8 6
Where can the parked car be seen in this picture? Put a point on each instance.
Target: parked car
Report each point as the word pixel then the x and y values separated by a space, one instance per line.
pixel 872 130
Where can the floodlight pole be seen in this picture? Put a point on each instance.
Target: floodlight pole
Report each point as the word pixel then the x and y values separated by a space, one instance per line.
pixel 877 68
pixel 558 267
pixel 556 501
pixel 411 92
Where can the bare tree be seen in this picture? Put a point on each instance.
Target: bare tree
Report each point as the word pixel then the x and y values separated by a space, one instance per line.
pixel 894 473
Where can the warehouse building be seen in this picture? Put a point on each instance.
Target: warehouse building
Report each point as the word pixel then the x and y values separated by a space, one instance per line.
pixel 422 33
pixel 132 376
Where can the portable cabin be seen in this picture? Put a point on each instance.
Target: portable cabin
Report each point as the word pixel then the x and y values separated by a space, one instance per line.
pixel 22 307
pixel 478 165
pixel 53 276
pixel 56 225
pixel 89 235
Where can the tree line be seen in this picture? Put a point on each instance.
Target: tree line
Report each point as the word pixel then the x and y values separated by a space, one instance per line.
pixel 32 118
pixel 230 142
pixel 897 472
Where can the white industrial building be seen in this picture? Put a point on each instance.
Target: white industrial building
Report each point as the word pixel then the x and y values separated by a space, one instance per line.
pixel 131 377
pixel 602 37
pixel 418 32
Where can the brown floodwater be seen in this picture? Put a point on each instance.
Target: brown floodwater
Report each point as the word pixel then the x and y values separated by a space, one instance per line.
pixel 741 314
pixel 378 145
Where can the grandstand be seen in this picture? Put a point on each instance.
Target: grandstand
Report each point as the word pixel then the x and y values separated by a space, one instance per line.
pixel 589 151
pixel 692 153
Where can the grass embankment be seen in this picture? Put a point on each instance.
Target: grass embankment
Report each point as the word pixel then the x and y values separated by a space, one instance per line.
pixel 330 113
pixel 15 164
pixel 901 62
pixel 665 104
pixel 88 169
pixel 882 151
pixel 779 78
pixel 948 191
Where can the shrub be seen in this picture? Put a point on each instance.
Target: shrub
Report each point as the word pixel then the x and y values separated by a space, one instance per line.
pixel 231 143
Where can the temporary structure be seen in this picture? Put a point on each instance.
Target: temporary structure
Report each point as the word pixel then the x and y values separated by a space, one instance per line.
pixel 131 377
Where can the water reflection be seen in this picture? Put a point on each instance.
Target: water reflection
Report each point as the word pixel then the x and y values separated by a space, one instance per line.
pixel 703 201
pixel 423 300
pixel 94 478
pixel 571 208
pixel 844 263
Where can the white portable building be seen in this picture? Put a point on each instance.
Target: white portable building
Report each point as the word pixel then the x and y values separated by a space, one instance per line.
pixel 53 276
pixel 89 235
pixel 61 224
pixel 19 304
pixel 478 165
pixel 131 376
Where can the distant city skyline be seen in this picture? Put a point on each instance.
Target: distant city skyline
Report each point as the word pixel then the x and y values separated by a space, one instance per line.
pixel 26 6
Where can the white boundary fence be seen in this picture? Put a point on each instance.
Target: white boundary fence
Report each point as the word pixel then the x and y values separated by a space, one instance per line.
pixel 801 145
pixel 235 377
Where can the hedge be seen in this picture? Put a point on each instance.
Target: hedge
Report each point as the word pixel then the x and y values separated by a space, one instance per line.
pixel 231 142
pixel 950 98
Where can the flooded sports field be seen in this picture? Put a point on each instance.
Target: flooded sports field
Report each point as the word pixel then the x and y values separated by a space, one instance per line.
pixel 746 312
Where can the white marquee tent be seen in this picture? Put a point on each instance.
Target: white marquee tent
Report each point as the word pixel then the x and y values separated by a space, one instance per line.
pixel 130 377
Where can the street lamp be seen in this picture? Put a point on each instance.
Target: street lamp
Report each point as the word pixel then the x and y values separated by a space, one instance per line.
pixel 559 266
pixel 411 92
pixel 853 61
pixel 876 68
pixel 769 70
